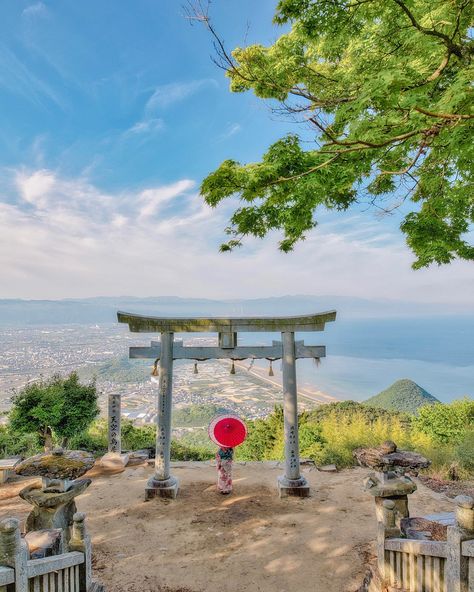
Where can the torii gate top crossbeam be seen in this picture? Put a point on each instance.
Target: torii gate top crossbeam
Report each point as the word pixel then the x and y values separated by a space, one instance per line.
pixel 145 324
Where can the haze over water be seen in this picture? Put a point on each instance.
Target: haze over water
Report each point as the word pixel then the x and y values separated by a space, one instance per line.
pixel 364 356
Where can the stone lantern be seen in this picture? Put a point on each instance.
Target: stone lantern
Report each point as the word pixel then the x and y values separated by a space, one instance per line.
pixel 53 501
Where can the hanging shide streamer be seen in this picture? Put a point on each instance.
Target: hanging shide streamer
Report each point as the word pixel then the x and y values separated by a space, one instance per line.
pixel 196 371
pixel 155 371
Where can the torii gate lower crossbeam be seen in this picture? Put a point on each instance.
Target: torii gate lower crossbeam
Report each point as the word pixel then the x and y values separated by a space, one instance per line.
pixel 163 483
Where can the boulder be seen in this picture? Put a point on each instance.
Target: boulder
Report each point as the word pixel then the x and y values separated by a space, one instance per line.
pixel 56 465
pixel 113 461
pixel 386 457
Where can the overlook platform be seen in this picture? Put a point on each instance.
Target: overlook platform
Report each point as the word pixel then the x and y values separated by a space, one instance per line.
pixel 251 540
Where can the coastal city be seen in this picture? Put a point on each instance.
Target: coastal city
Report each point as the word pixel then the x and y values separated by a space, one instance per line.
pixel 100 353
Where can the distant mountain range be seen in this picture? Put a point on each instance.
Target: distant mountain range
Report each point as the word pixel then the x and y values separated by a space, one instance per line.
pixel 404 395
pixel 103 309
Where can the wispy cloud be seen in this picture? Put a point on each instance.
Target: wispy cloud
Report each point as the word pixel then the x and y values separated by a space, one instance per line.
pixel 232 129
pixel 65 237
pixel 146 126
pixel 38 8
pixel 17 78
pixel 164 96
pixel 167 95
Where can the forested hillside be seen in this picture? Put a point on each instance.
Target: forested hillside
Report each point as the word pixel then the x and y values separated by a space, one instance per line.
pixel 404 395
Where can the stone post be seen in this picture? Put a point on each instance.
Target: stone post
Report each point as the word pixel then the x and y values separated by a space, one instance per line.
pixel 291 483
pixel 457 565
pixel 81 541
pixel 386 529
pixel 115 410
pixel 14 552
pixel 385 487
pixel 162 483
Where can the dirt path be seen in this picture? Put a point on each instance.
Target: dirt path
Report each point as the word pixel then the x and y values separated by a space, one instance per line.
pixel 251 541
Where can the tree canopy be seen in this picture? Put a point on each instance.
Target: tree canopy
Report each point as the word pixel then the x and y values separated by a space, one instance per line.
pixel 384 90
pixel 58 407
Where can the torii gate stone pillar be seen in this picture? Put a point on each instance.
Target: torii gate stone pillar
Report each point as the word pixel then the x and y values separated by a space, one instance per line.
pixel 291 483
pixel 162 483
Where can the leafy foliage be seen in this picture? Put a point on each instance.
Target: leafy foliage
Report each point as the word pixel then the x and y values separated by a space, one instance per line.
pixel 264 438
pixel 404 395
pixel 347 409
pixel 59 407
pixel 330 433
pixel 465 451
pixel 386 90
pixel 17 444
pixel 447 423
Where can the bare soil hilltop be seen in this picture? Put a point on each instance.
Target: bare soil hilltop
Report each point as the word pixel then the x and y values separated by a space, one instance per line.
pixel 250 541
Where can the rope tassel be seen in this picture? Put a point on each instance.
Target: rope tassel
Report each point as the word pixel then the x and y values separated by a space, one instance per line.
pixel 270 371
pixel 155 371
pixel 232 368
pixel 196 371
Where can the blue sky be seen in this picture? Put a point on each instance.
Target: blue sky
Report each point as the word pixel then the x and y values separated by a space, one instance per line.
pixel 111 113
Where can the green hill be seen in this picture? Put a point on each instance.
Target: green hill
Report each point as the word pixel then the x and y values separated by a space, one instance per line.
pixel 404 395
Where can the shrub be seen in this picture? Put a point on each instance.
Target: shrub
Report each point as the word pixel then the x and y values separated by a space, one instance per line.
pixel 181 451
pixel 17 444
pixel 446 423
pixel 54 409
pixel 464 452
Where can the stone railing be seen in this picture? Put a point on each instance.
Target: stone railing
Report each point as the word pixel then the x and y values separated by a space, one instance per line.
pixel 411 565
pixel 67 572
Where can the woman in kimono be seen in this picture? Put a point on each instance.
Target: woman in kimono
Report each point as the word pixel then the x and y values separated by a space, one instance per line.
pixel 224 457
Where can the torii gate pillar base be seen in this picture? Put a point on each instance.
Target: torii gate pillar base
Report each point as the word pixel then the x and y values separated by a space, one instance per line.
pixel 167 488
pixel 293 487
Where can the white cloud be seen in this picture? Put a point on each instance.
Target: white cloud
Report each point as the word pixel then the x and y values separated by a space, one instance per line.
pixel 37 187
pixel 169 94
pixel 64 237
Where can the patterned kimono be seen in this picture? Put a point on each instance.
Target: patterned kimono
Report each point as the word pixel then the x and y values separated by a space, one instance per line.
pixel 224 458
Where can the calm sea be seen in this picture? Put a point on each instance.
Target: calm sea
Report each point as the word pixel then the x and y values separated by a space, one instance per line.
pixel 365 356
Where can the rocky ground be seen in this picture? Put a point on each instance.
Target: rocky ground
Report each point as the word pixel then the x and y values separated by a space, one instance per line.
pixel 250 541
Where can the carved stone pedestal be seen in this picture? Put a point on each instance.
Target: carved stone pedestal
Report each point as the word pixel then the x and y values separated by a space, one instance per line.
pixel 167 488
pixel 53 501
pixel 51 509
pixel 293 487
pixel 387 486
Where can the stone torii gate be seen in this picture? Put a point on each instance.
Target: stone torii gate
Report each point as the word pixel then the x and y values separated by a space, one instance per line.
pixel 162 483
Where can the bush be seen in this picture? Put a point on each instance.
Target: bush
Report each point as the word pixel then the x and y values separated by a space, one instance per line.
pixel 17 444
pixel 56 409
pixel 446 423
pixel 94 440
pixel 181 451
pixel 464 453
pixel 137 437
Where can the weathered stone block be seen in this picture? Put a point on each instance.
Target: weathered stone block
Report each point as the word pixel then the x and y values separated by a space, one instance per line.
pixel 45 542
pixel 167 489
pixel 112 461
pixel 293 487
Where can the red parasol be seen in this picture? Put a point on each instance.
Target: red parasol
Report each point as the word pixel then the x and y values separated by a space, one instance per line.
pixel 227 431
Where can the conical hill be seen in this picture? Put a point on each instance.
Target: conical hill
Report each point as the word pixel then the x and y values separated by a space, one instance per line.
pixel 404 395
